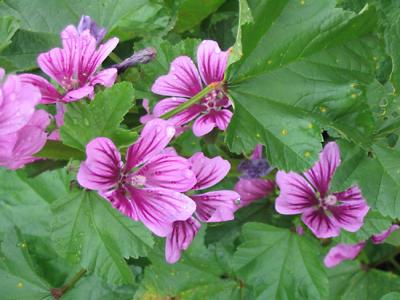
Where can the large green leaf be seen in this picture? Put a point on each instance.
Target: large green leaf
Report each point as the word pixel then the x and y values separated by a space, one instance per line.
pixel 303 68
pixel 279 264
pixel 99 118
pixel 88 230
pixel 350 281
pixel 24 201
pixel 200 274
pixel 8 26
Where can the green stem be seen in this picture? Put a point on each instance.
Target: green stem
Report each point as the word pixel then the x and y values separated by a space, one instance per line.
pixel 188 103
pixel 115 58
pixel 57 293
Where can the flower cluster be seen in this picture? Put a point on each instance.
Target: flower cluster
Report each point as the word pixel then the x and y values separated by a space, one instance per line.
pixel 150 186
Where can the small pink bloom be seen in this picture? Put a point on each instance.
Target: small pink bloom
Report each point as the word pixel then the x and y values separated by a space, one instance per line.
pixel 214 206
pixel 184 81
pixel 180 238
pixel 251 186
pixel 324 212
pixel 17 103
pixel 74 67
pixel 342 252
pixel 381 237
pixel 18 148
pixel 299 230
pixel 148 186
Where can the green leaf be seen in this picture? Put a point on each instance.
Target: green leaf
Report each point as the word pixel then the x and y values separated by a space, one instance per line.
pixel 297 77
pixel 88 230
pixel 279 264
pixel 200 274
pixel 391 296
pixel 192 12
pixel 377 176
pixel 99 118
pixel 392 40
pixel 349 281
pixel 24 201
pixel 8 26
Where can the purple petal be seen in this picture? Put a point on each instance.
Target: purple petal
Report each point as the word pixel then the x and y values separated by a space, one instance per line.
pixel 17 149
pixel 183 79
pixel 86 23
pixel 105 77
pixel 258 152
pixel 78 94
pixel 208 171
pixel 49 93
pixel 180 238
pixel 253 189
pixel 159 208
pixel 203 125
pixel 102 168
pixel 212 61
pixel 381 237
pixel 320 224
pixel 350 214
pixel 17 105
pixel 168 171
pixel 341 252
pixel 183 117
pixel 218 206
pixel 155 136
pixel 222 118
pixel 321 173
pixel 296 194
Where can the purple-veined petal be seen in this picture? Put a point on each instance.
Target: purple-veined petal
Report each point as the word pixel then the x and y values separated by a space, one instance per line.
pixel 78 94
pixel 168 104
pixel 203 125
pixel 222 118
pixel 102 168
pixel 296 194
pixel 168 171
pixel 320 224
pixel 341 252
pixel 49 93
pixel 180 238
pixel 218 206
pixel 321 173
pixel 212 61
pixel 253 189
pixel 258 152
pixel 155 136
pixel 381 237
pixel 159 208
pixel 105 77
pixel 208 171
pixel 183 79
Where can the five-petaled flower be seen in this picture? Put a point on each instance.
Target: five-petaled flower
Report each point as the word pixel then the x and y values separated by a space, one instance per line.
pixel 214 206
pixel 324 212
pixel 149 186
pixel 184 81
pixel 251 186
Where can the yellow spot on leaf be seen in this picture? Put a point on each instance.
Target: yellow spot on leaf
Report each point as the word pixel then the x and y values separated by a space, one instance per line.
pixel 284 132
pixel 20 285
pixel 270 62
pixel 310 125
pixel 307 154
pixel 302 2
pixel 323 109
pixel 354 95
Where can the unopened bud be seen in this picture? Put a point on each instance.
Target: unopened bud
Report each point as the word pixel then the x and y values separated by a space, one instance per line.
pixel 86 23
pixel 140 57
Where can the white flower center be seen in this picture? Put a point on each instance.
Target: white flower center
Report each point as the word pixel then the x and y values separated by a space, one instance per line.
pixel 213 100
pixel 330 200
pixel 137 181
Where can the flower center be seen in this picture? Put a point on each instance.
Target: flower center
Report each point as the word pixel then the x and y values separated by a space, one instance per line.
pixel 137 181
pixel 214 100
pixel 329 200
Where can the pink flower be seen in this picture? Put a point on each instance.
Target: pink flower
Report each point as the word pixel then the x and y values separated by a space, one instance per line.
pixel 18 148
pixel 184 81
pixel 342 252
pixel 215 206
pixel 148 186
pixel 381 237
pixel 17 103
pixel 251 186
pixel 324 212
pixel 74 67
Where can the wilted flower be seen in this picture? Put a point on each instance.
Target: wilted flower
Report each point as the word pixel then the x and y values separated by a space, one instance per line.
pixel 251 186
pixel 74 67
pixel 324 212
pixel 341 252
pixel 148 186
pixel 143 56
pixel 214 206
pixel 184 81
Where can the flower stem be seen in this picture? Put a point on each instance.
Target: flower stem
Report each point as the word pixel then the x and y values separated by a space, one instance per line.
pixel 57 293
pixel 115 58
pixel 196 98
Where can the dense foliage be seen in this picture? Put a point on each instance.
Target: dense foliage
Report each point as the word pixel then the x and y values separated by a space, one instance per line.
pixel 191 149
